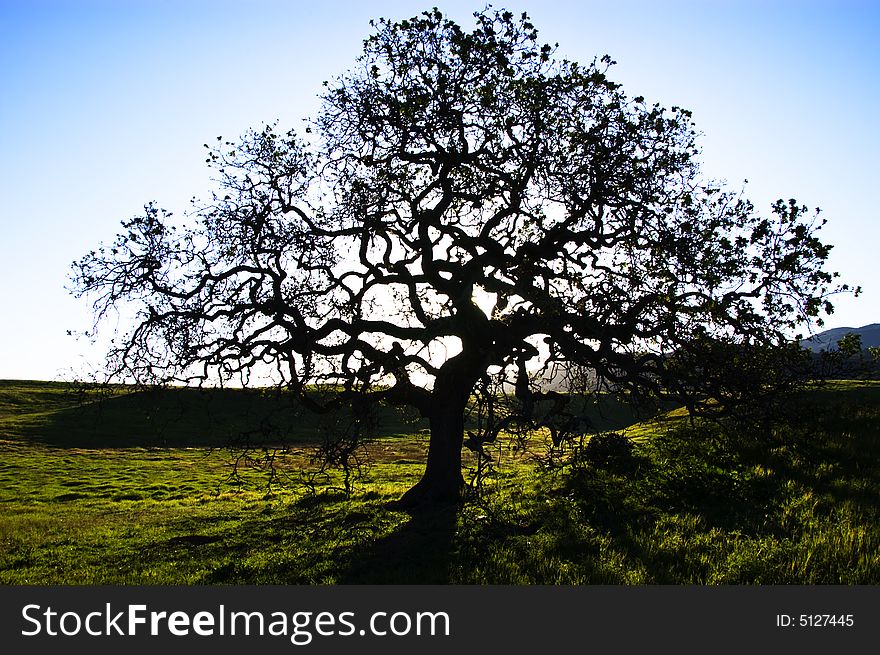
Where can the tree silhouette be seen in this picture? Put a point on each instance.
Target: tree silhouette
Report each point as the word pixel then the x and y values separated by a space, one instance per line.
pixel 467 211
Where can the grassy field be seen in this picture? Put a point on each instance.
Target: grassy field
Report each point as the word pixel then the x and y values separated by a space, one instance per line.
pixel 135 488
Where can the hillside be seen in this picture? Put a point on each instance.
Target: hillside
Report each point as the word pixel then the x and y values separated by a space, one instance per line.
pixel 62 415
pixel 827 340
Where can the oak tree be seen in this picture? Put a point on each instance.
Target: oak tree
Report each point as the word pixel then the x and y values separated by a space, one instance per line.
pixel 466 212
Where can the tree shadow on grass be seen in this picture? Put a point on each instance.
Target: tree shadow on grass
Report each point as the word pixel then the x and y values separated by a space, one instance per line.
pixel 419 552
pixel 320 539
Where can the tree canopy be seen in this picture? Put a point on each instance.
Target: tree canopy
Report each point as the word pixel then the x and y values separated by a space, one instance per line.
pixel 466 209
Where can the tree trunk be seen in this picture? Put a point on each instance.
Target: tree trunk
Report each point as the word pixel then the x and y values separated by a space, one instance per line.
pixel 442 481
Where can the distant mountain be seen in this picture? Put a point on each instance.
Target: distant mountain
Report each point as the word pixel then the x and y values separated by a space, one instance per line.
pixel 827 340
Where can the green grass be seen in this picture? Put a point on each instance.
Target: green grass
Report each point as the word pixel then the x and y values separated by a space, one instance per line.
pixel 141 516
pixel 793 502
pixel 59 414
pixel 707 504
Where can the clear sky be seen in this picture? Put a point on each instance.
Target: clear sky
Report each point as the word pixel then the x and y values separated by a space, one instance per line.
pixel 105 105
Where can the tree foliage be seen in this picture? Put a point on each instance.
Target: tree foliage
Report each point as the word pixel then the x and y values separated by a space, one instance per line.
pixel 466 210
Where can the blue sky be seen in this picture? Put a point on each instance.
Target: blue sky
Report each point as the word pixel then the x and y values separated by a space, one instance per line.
pixel 104 106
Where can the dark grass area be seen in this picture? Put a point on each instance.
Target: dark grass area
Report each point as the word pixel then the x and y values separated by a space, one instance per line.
pixel 68 415
pixel 65 415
